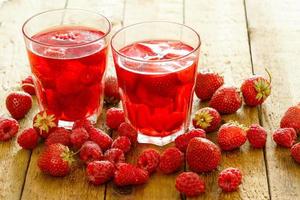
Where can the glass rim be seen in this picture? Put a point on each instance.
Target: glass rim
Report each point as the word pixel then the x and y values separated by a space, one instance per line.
pixel 65 9
pixel 155 61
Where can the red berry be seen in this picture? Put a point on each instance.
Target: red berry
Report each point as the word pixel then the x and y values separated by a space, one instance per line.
pixel 56 160
pixel 295 152
pixel 202 155
pixel 59 135
pixel 78 137
pixel 207 119
pixel 127 130
pixel 171 160
pixel 148 160
pixel 28 86
pixel 123 143
pixel 291 118
pixel 207 83
pixel 231 136
pixel 128 174
pixel 83 123
pixel 257 136
pixel 8 128
pixel 90 151
pixel 229 179
pixel 190 184
pixel 114 117
pixel 111 90
pixel 44 122
pixel 115 156
pixel 18 104
pixel 285 137
pixel 226 100
pixel 28 139
pixel 183 140
pixel 99 172
pixel 101 138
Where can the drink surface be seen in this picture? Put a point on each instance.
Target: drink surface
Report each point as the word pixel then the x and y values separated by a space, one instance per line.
pixel 68 64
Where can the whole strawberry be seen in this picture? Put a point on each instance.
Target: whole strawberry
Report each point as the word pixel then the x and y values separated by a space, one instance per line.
pixel 44 122
pixel 115 156
pixel 171 160
pixel 295 152
pixel 56 160
pixel 59 135
pixel 291 118
pixel 8 128
pixel 202 155
pixel 207 119
pixel 257 136
pixel 28 139
pixel 123 143
pixel 229 179
pixel 127 174
pixel 18 104
pixel 114 117
pixel 190 184
pixel 78 137
pixel 28 86
pixel 231 136
pixel 99 172
pixel 127 130
pixel 90 151
pixel 148 160
pixel 111 90
pixel 182 141
pixel 285 137
pixel 101 138
pixel 207 83
pixel 226 100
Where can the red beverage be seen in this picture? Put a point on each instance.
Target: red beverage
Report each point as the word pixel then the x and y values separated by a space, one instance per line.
pixel 68 66
pixel 157 96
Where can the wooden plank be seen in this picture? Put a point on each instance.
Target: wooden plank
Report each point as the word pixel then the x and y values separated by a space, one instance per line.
pixel 274 29
pixel 14 67
pixel 222 27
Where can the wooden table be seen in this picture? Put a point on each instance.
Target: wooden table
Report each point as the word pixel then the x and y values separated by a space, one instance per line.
pixel 239 38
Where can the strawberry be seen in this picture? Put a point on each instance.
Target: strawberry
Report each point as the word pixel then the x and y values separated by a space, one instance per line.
pixel 207 119
pixel 56 160
pixel 226 100
pixel 83 123
pixel 207 83
pixel 78 137
pixel 256 90
pixel 28 139
pixel 114 117
pixel 99 172
pixel 128 174
pixel 171 160
pixel 285 137
pixel 202 155
pixel 59 135
pixel 123 143
pixel 291 118
pixel 231 136
pixel 229 179
pixel 28 86
pixel 295 152
pixel 111 90
pixel 8 128
pixel 90 151
pixel 101 138
pixel 190 184
pixel 148 160
pixel 115 156
pixel 257 136
pixel 18 104
pixel 182 141
pixel 127 130
pixel 44 122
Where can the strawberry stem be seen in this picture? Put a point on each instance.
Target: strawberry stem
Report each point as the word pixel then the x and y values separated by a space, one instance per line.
pixel 269 74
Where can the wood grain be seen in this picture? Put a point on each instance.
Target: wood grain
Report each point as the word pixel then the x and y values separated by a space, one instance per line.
pixel 274 29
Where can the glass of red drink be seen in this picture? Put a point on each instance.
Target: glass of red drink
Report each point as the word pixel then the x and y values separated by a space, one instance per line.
pixel 67 50
pixel 156 65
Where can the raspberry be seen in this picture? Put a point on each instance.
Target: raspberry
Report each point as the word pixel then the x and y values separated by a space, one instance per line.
pixel 90 151
pixel 114 117
pixel 99 172
pixel 183 140
pixel 295 152
pixel 128 174
pixel 190 184
pixel 28 139
pixel 229 179
pixel 122 143
pixel 78 137
pixel 111 90
pixel 171 160
pixel 148 160
pixel 8 128
pixel 28 86
pixel 59 135
pixel 257 136
pixel 83 123
pixel 115 156
pixel 127 130
pixel 285 137
pixel 101 138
